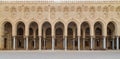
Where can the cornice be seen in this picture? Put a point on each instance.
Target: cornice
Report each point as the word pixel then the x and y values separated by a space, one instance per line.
pixel 62 2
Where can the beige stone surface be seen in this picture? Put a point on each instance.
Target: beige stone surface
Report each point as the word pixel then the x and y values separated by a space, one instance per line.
pixel 77 12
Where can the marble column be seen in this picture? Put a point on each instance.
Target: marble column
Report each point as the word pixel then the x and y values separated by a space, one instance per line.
pixel 34 43
pixel 104 42
pixel 14 43
pixel 53 43
pixel 78 42
pixel 39 42
pixel 26 42
pixel 113 43
pixel 117 42
pixel 91 42
pixel 83 43
pixel 65 43
pixel 73 43
pixel 44 43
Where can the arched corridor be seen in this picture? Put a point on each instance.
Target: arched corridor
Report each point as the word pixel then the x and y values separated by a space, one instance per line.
pixel 33 40
pixel 98 35
pixel 8 36
pixel 60 26
pixel 46 36
pixel 59 35
pixel 72 36
pixel 20 38
pixel 58 42
pixel 85 35
pixel 111 39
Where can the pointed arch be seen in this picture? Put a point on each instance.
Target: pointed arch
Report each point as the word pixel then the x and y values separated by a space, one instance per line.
pixel 111 28
pixel 85 26
pixel 20 35
pixel 33 36
pixel 111 33
pixel 85 35
pixel 98 28
pixel 46 35
pixel 72 35
pixel 59 26
pixel 20 28
pixel 7 35
pixel 33 26
pixel 73 26
pixel 46 26
pixel 59 32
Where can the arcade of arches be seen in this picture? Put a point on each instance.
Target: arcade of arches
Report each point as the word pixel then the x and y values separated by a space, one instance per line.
pixel 59 26
pixel 59 41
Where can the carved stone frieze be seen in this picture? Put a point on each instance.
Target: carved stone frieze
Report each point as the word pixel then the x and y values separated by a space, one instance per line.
pixel 88 10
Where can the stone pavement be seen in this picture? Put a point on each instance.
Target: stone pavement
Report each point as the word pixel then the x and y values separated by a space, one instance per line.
pixel 59 54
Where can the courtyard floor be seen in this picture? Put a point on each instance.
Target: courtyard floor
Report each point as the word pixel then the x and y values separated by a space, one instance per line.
pixel 84 54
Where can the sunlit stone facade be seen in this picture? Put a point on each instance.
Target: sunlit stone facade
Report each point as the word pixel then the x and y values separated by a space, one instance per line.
pixel 59 26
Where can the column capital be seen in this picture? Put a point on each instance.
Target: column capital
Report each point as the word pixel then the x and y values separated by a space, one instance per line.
pixel 92 36
pixel 26 36
pixel 65 35
pixel 117 36
pixel 53 36
pixel 39 36
pixel 113 37
pixel 104 36
pixel 78 36
pixel 14 36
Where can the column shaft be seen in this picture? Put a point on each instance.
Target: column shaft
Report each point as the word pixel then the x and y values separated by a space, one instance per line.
pixel 53 43
pixel 14 45
pixel 34 44
pixel 117 43
pixel 39 42
pixel 104 42
pixel 26 42
pixel 113 43
pixel 91 42
pixel 78 42
pixel 73 43
pixel 83 43
pixel 65 42
pixel 44 43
